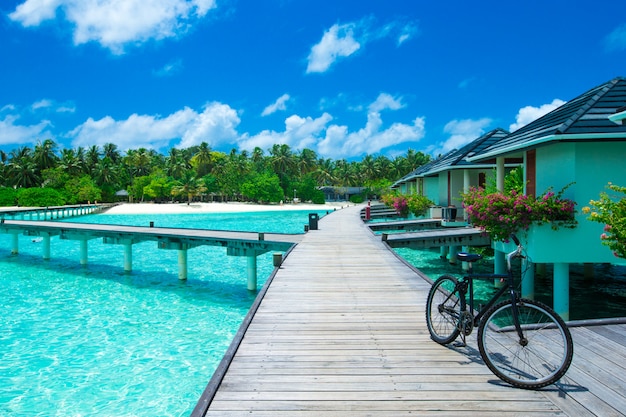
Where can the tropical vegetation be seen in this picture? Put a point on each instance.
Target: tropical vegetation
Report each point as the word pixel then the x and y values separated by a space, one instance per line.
pixel 499 214
pixel 610 210
pixel 404 204
pixel 80 175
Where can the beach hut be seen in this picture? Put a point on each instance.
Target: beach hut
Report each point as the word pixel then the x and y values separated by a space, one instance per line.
pixel 582 143
pixel 445 178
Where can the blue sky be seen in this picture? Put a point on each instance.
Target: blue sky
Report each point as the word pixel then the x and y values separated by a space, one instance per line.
pixel 345 78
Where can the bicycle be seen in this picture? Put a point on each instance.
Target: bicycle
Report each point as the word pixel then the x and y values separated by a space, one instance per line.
pixel 523 342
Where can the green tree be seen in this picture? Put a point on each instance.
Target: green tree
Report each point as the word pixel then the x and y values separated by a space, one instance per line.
pixel 190 186
pixel 263 187
pixel 82 190
pixel 40 197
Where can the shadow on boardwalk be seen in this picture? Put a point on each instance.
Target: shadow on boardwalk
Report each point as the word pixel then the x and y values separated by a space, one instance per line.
pixel 340 331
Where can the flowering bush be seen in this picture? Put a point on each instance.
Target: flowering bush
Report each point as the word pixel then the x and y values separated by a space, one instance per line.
pixel 403 204
pixel 613 215
pixel 500 214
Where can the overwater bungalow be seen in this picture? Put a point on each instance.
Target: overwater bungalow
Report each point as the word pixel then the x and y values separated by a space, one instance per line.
pixel 445 178
pixel 582 143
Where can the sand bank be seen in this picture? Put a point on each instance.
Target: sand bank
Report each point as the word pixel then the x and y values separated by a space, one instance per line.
pixel 182 208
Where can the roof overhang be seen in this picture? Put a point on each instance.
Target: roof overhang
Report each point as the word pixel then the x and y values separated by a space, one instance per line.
pixel 547 139
pixel 619 118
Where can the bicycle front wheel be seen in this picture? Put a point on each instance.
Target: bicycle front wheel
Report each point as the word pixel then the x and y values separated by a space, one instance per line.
pixel 538 358
pixel 443 310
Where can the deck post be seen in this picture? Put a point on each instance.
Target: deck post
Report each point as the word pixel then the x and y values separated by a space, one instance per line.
pixel 128 257
pixel 46 246
pixel 465 265
pixel 252 281
pixel 182 264
pixel 15 243
pixel 528 279
pixel 561 289
pixel 453 251
pixel 443 251
pixel 83 252
pixel 499 266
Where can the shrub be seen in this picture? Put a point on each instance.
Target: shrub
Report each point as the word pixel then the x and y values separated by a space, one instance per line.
pixel 500 214
pixel 612 213
pixel 39 197
pixel 8 197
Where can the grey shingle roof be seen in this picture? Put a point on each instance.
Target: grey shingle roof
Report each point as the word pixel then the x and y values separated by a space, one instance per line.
pixel 456 157
pixel 585 117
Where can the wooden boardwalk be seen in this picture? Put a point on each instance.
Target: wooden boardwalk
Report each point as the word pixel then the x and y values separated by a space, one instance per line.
pixel 341 331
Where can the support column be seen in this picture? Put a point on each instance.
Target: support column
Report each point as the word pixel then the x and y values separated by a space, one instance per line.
pixel 528 279
pixel 182 264
pixel 252 281
pixel 15 243
pixel 46 246
pixel 128 257
pixel 499 267
pixel 83 252
pixel 465 265
pixel 443 252
pixel 561 290
pixel 500 173
pixel 453 251
pixel 466 187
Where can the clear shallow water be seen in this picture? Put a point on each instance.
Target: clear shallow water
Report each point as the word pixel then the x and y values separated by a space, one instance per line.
pixel 82 341
pixel 603 296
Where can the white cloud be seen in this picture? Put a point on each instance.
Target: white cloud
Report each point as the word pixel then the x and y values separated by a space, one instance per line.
pixel 13 133
pixel 299 133
pixel 279 104
pixel 616 40
pixel 216 124
pixel 528 114
pixel 331 140
pixel 116 23
pixel 461 133
pixel 51 105
pixel 337 42
pixel 341 41
pixel 385 101
pixel 169 69
pixel 407 32
pixel 42 104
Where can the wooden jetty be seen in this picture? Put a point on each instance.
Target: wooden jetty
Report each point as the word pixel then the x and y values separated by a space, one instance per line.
pixel 247 244
pixel 339 330
pixel 453 236
pixel 406 225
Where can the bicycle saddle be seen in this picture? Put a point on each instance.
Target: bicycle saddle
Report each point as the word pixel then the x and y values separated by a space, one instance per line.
pixel 468 257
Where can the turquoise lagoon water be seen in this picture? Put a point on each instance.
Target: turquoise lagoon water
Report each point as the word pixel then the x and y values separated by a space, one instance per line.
pixel 83 341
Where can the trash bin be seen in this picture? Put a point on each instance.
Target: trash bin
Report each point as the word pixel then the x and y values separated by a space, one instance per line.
pixel 449 213
pixel 313 218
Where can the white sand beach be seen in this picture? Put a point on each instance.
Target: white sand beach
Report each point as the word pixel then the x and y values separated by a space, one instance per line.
pixel 181 208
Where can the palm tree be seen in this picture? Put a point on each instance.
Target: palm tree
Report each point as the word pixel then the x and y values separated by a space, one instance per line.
pixel 71 162
pixel 109 150
pixel 92 158
pixel 202 159
pixel 307 162
pixel 44 155
pixel 189 186
pixel 22 172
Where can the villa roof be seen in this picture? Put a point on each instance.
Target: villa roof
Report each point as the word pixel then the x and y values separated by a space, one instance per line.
pixel 584 118
pixel 456 157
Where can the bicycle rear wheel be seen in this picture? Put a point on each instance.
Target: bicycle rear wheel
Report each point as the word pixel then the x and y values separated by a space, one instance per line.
pixel 443 310
pixel 540 359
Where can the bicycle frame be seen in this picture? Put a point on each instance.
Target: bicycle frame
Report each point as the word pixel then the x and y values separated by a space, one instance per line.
pixel 466 284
